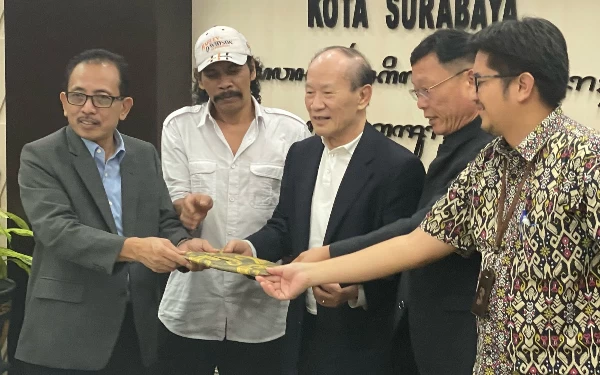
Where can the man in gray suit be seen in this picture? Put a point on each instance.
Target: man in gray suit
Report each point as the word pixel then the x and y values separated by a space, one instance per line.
pixel 104 228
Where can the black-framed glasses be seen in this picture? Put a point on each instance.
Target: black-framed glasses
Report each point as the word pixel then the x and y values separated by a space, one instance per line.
pixel 99 100
pixel 415 93
pixel 477 78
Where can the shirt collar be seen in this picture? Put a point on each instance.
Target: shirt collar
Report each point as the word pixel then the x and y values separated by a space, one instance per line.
pixel 532 144
pixel 467 131
pixel 119 149
pixel 350 147
pixel 205 115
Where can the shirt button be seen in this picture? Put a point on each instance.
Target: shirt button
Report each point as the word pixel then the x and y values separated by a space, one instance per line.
pixel 230 232
pixel 98 151
pixel 401 305
pixel 109 203
pixel 106 175
pixel 231 199
pixel 233 166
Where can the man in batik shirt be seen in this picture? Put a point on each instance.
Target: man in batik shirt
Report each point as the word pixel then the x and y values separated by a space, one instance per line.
pixel 530 203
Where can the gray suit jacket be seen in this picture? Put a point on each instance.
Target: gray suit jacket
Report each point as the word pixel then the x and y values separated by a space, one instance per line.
pixel 77 292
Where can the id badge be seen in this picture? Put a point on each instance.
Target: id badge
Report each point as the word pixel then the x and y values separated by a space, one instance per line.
pixel 484 290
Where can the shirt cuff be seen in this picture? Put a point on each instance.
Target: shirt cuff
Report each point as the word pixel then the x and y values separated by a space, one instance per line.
pixel 361 301
pixel 184 239
pixel 252 247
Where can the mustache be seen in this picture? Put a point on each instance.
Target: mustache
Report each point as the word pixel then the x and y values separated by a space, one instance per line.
pixel 88 119
pixel 227 95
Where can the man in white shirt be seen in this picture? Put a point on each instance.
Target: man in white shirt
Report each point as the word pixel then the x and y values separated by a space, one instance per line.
pixel 227 151
pixel 349 181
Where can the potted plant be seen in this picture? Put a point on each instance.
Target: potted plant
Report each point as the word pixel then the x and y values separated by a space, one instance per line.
pixel 7 286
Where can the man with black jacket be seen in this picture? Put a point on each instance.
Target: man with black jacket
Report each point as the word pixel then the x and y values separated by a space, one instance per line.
pixel 347 181
pixel 433 321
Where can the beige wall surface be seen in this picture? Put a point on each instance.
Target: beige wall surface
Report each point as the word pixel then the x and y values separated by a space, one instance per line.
pixel 278 33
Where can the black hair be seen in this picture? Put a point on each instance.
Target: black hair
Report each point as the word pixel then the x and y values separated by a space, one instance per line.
pixel 99 56
pixel 449 45
pixel 532 45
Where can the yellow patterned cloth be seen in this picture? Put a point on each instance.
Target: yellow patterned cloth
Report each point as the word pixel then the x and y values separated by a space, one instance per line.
pixel 232 263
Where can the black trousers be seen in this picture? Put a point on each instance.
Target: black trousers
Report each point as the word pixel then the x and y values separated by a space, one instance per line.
pixel 327 353
pixel 183 356
pixel 403 359
pixel 125 359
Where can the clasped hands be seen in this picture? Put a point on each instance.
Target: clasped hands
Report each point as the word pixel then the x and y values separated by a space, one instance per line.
pixel 159 254
pixel 285 282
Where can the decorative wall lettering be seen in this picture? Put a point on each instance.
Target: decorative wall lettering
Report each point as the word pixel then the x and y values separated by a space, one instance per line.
pixel 325 13
pixel 281 74
pixel 462 18
pixel 579 82
pixel 390 130
pixel 387 76
pixel 390 76
pixel 389 62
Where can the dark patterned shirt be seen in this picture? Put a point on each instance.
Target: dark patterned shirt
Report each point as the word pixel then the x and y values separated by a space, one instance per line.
pixel 544 312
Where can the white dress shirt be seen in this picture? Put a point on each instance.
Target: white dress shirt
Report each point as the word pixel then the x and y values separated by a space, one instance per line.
pixel 196 158
pixel 329 177
pixel 332 169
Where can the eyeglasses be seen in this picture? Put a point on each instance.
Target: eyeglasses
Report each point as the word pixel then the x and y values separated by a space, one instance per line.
pixel 477 78
pixel 99 101
pixel 415 93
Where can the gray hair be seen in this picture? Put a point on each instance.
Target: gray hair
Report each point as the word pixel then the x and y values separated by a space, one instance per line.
pixel 363 73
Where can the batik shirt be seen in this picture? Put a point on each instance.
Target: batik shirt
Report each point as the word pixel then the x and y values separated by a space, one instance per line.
pixel 544 311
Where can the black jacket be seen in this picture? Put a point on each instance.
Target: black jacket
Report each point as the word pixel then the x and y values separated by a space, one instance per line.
pixel 382 183
pixel 438 297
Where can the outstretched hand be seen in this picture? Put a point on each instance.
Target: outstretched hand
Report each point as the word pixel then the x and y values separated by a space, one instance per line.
pixel 316 254
pixel 285 282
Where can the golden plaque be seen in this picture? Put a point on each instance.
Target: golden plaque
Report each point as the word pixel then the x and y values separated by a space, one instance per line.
pixel 230 262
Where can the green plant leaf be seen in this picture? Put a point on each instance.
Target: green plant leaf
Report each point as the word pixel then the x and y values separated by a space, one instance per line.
pixel 11 254
pixel 21 260
pixel 5 233
pixel 20 222
pixel 20 232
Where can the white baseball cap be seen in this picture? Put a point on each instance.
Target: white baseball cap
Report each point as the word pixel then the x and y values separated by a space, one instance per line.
pixel 221 43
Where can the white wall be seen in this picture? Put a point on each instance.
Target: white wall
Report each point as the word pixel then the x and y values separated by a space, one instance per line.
pixel 278 33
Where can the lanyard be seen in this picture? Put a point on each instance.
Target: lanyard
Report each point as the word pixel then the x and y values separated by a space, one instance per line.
pixel 502 221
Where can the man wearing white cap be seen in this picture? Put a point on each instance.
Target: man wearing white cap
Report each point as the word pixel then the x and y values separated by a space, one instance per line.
pixel 225 154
